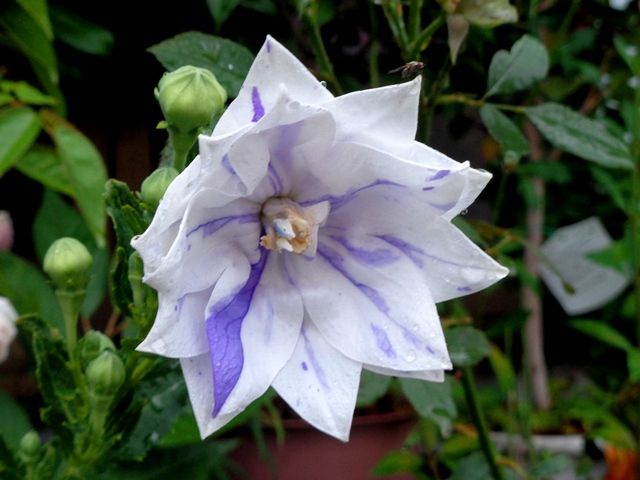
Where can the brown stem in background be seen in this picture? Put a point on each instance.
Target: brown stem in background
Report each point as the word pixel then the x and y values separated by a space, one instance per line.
pixel 531 301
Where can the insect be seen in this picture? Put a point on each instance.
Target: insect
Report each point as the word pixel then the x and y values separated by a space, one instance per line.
pixel 409 70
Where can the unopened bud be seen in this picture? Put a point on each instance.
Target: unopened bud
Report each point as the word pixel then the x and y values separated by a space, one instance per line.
pixel 190 97
pixel 30 446
pixel 106 374
pixel 8 331
pixel 68 263
pixel 92 345
pixel 6 231
pixel 154 186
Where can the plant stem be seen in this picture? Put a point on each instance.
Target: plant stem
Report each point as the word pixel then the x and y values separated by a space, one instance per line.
pixel 181 143
pixel 374 48
pixel 320 52
pixel 70 303
pixel 471 396
pixel 393 12
pixel 420 41
pixel 415 18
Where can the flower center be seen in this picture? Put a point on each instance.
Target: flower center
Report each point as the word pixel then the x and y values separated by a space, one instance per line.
pixel 291 227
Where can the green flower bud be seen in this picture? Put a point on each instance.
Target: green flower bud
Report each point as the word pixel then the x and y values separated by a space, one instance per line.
pixel 68 263
pixel 92 345
pixel 154 186
pixel 190 97
pixel 30 446
pixel 105 374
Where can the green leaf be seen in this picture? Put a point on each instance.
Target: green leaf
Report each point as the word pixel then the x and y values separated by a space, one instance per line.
pixel 574 133
pixel 518 69
pixel 503 369
pixel 15 421
pixel 44 165
pixel 629 53
pixel 31 40
pixel 266 7
pixel 28 290
pixel 87 175
pixel 372 387
pixel 19 128
pixel 504 131
pixel 220 10
pixel 550 466
pixel 9 467
pixel 611 185
pixel 603 332
pixel 401 461
pixel 229 61
pixel 56 219
pixel 467 345
pixel 633 363
pixel 616 256
pixel 79 33
pixel 37 9
pixel 488 13
pixel 433 401
pixel 27 93
pixel 553 172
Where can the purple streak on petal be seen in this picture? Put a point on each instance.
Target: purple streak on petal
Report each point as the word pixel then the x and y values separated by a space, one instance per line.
pixel 268 45
pixel 408 249
pixel 440 174
pixel 304 366
pixel 224 325
pixel 258 109
pixel 317 369
pixel 212 226
pixel 443 206
pixel 274 179
pixel 427 189
pixel 382 340
pixel 373 258
pixel 334 259
pixel 341 200
pixel 178 306
pixel 227 165
pixel 465 289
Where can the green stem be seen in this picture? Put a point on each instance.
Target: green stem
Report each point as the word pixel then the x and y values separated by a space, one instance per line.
pixel 471 396
pixel 320 52
pixel 421 40
pixel 393 12
pixel 428 101
pixel 415 18
pixel 471 102
pixel 181 143
pixel 70 303
pixel 374 48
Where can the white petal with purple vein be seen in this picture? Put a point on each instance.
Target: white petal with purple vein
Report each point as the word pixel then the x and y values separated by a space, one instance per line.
pixel 320 383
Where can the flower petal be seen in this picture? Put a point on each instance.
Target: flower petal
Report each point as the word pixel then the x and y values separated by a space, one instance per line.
pixel 452 265
pixel 429 375
pixel 371 303
pixel 274 65
pixel 320 383
pixel 385 117
pixel 252 327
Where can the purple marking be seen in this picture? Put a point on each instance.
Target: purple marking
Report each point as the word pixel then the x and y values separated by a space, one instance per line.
pixel 268 43
pixel 427 189
pixel 258 109
pixel 274 179
pixel 382 340
pixel 465 289
pixel 178 306
pixel 334 259
pixel 342 200
pixel 374 258
pixel 212 226
pixel 227 165
pixel 224 324
pixel 408 249
pixel 304 366
pixel 443 206
pixel 317 369
pixel 440 174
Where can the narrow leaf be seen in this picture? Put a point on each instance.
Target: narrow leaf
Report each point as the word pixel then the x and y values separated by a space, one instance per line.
pixel 603 332
pixel 19 128
pixel 574 133
pixel 519 68
pixel 79 33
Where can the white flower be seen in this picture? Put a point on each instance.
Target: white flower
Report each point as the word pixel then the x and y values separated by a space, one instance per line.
pixel 310 239
pixel 8 329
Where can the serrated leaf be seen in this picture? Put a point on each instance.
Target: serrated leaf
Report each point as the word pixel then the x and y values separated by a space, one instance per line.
pixel 228 60
pixel 433 401
pixel 574 133
pixel 372 387
pixel 87 175
pixel 15 421
pixel 28 290
pixel 467 345
pixel 603 332
pixel 19 128
pixel 504 131
pixel 518 69
pixel 129 214
pixel 80 33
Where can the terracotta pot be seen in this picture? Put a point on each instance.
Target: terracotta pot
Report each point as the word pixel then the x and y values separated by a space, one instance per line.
pixel 312 455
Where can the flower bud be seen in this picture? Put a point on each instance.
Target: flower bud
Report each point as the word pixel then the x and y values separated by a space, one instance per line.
pixel 6 231
pixel 92 345
pixel 68 263
pixel 106 374
pixel 190 97
pixel 30 446
pixel 8 329
pixel 154 186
